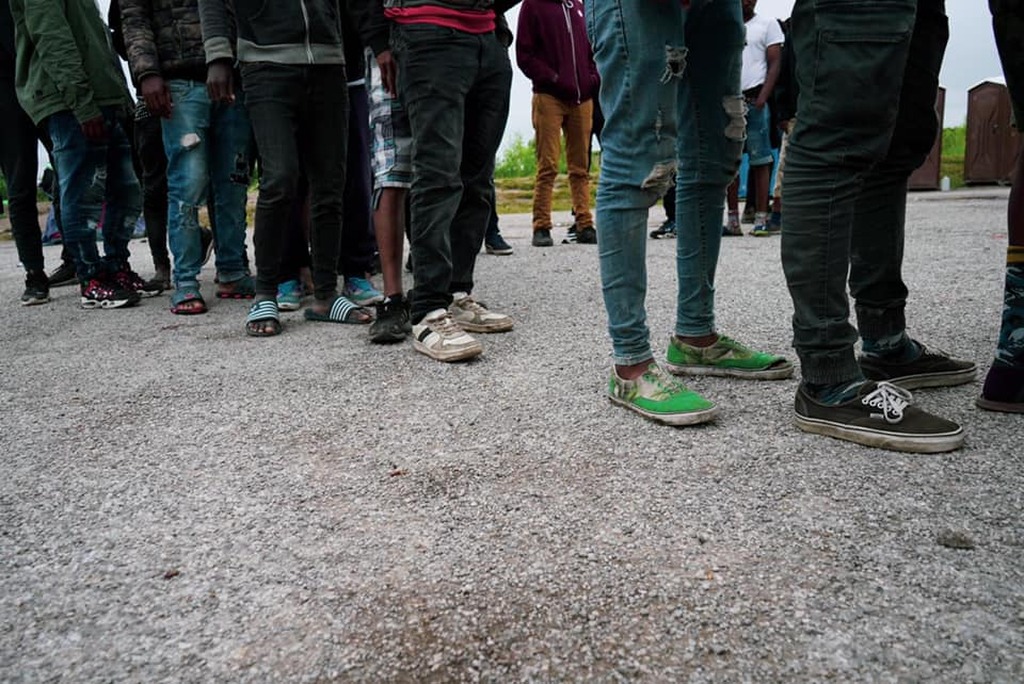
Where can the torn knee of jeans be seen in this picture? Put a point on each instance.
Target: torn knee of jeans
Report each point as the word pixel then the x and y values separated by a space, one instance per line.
pixel 736 108
pixel 240 174
pixel 660 178
pixel 675 63
pixel 190 141
pixel 189 215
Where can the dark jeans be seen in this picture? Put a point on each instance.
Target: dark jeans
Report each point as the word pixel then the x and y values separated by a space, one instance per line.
pixel 300 117
pixel 847 167
pixel 455 88
pixel 97 186
pixel 19 160
pixel 295 251
pixel 151 168
pixel 358 242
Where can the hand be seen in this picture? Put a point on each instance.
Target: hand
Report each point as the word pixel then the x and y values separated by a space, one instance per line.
pixel 220 81
pixel 157 96
pixel 759 103
pixel 388 72
pixel 95 129
pixel 784 125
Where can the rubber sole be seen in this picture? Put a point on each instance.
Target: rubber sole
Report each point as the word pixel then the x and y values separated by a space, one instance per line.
pixel 774 373
pixel 946 379
pixel 477 328
pixel 917 444
pixel 1000 406
pixel 89 304
pixel 674 419
pixel 463 354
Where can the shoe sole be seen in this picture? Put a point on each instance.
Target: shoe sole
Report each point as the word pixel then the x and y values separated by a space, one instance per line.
pixel 499 252
pixel 454 355
pixel 146 295
pixel 480 328
pixel 924 380
pixel 674 419
pixel 1000 406
pixel 288 307
pixel 776 373
pixel 35 301
pixel 917 444
pixel 368 301
pixel 388 337
pixel 90 304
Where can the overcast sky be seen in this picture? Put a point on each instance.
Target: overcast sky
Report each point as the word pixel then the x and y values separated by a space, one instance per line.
pixel 970 58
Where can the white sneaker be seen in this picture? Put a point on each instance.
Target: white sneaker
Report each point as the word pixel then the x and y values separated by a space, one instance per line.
pixel 440 337
pixel 473 316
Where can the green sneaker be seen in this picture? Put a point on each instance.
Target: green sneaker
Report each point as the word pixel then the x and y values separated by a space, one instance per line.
pixel 661 397
pixel 726 358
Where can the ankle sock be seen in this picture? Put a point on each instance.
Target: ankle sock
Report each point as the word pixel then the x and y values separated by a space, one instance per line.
pixel 832 395
pixel 760 218
pixel 898 348
pixel 1010 349
pixel 734 218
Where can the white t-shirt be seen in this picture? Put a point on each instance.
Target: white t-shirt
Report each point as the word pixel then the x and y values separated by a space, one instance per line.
pixel 762 31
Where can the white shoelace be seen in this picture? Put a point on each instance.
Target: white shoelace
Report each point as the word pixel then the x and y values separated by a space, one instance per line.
pixel 446 326
pixel 890 399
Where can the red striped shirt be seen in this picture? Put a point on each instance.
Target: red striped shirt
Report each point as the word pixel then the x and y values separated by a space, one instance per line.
pixel 468 21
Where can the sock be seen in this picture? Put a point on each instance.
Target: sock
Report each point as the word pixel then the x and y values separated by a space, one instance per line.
pixel 898 348
pixel 734 218
pixel 831 395
pixel 760 218
pixel 1010 349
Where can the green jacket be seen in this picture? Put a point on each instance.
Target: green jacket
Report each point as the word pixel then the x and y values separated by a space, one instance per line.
pixel 65 61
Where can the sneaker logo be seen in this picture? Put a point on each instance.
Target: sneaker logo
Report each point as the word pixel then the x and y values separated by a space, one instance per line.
pixel 891 401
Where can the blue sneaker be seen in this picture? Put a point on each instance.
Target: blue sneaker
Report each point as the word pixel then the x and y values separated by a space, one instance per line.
pixel 289 295
pixel 361 291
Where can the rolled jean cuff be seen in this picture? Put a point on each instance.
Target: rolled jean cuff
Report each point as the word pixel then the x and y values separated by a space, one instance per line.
pixel 829 368
pixel 632 359
pixel 876 324
pixel 695 330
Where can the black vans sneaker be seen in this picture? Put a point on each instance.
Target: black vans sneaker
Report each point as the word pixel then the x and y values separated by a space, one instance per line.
pixel 64 275
pixel 127 279
pixel 932 368
pixel 392 322
pixel 37 289
pixel 101 293
pixel 881 415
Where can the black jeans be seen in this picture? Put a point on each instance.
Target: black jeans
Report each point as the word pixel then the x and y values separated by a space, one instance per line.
pixel 358 242
pixel 19 159
pixel 151 168
pixel 847 167
pixel 300 117
pixel 455 88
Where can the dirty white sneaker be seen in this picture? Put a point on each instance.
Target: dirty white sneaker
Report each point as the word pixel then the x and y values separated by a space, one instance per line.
pixel 440 337
pixel 473 316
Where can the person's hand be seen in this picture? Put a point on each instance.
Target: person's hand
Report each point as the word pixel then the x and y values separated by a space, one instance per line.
pixel 784 125
pixel 220 82
pixel 95 129
pixel 759 103
pixel 156 95
pixel 388 72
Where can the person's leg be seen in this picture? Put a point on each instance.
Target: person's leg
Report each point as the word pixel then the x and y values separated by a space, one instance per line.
pixel 149 147
pixel 358 244
pixel 228 152
pixel 273 94
pixel 1004 384
pixel 122 205
pixel 862 48
pixel 323 135
pixel 437 68
pixel 19 160
pixel 548 113
pixel 876 282
pixel 578 123
pixel 187 141
pixel 759 149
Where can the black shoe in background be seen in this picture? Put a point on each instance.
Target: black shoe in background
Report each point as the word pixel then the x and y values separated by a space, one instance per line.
pixel 37 289
pixel 542 238
pixel 587 236
pixel 932 368
pixel 392 323
pixel 64 275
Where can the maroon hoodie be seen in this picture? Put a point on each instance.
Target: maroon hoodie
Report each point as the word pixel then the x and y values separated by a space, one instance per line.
pixel 553 50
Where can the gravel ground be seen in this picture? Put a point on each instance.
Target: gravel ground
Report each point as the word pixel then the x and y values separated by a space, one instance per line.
pixel 179 502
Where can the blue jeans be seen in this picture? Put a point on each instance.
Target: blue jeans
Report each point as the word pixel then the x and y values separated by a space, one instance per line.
pixel 847 165
pixel 672 105
pixel 97 186
pixel 207 146
pixel 759 142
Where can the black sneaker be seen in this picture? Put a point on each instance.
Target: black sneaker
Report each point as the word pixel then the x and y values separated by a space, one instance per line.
pixel 64 275
pixel 881 415
pixel 497 246
pixel 127 279
pixel 933 368
pixel 542 238
pixel 570 235
pixel 664 231
pixel 102 293
pixel 587 236
pixel 37 289
pixel 392 323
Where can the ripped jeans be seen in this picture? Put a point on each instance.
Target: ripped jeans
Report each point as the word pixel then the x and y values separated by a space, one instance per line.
pixel 207 148
pixel 672 104
pixel 97 185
